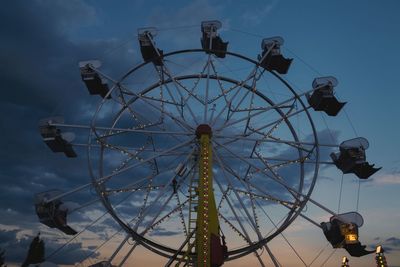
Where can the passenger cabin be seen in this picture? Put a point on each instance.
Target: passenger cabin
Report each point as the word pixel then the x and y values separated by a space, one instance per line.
pixel 352 159
pixel 210 40
pixel 342 232
pixel 271 57
pixel 92 79
pixel 52 213
pixel 323 98
pixel 147 46
pixel 54 138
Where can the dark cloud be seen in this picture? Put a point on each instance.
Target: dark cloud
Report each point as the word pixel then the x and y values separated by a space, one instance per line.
pixel 389 245
pixel 40 78
pixel 16 248
pixel 163 232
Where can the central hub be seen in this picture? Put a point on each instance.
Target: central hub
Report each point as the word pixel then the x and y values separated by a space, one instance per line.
pixel 203 129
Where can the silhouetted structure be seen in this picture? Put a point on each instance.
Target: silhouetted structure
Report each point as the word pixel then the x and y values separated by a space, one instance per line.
pixel 2 257
pixel 345 262
pixel 380 257
pixel 35 252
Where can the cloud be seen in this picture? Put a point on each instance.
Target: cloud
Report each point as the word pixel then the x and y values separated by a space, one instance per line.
pixel 392 242
pixel 163 232
pixel 16 248
pixel 191 15
pixel 256 16
pixel 390 245
pixel 386 179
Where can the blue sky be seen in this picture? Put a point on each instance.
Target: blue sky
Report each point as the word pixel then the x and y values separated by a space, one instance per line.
pixel 42 41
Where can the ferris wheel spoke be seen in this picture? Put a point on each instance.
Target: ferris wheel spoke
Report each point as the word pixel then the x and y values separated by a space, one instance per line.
pixel 296 144
pixel 165 218
pixel 164 101
pixel 139 96
pixel 118 249
pixel 234 228
pixel 229 181
pixel 283 236
pixel 237 231
pixel 249 194
pixel 238 87
pixel 122 130
pixel 177 105
pixel 165 152
pixel 100 246
pixel 274 176
pixel 262 194
pixel 166 70
pixel 125 258
pixel 179 250
pixel 137 185
pixel 221 88
pixel 275 106
pixel 161 193
pixel 252 86
pixel 279 177
pixel 306 218
pixel 235 122
pixel 190 92
pixel 87 227
pixel 251 103
pixel 133 189
pixel 173 153
pixel 142 119
pixel 207 89
pixel 233 210
pixel 145 200
pixel 182 217
pixel 154 224
pixel 124 151
pixel 263 135
pixel 276 126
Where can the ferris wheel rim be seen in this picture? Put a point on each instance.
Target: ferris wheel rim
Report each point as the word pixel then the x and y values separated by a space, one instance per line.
pixel 289 219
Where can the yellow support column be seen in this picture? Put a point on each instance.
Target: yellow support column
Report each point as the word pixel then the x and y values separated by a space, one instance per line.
pixel 207 234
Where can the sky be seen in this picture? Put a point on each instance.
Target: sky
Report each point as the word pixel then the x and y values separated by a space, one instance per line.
pixel 43 41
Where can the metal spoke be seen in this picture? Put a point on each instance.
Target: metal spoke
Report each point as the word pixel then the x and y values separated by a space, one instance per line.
pixel 181 123
pixel 107 177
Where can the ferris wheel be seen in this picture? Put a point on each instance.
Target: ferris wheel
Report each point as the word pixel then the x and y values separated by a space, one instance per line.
pixel 204 155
